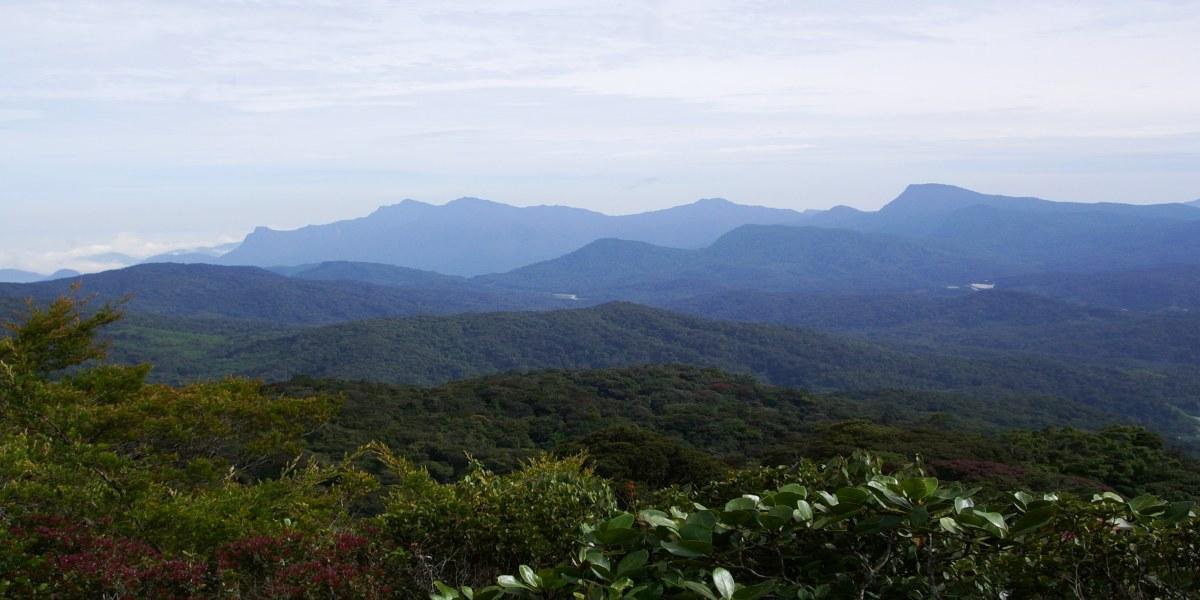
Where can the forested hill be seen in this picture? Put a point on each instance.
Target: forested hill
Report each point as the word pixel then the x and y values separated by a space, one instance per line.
pixel 248 293
pixel 989 322
pixel 1039 235
pixel 763 258
pixel 668 424
pixel 430 350
pixel 1164 287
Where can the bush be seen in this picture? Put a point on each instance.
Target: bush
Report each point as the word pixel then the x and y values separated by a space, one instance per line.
pixel 469 530
pixel 904 536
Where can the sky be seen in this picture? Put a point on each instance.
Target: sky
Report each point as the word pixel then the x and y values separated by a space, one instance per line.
pixel 138 127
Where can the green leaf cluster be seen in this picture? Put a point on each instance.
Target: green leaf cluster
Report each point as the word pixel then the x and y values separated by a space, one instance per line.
pixel 898 535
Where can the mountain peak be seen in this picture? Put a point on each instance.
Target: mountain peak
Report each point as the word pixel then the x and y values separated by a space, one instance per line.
pixel 405 204
pixel 935 187
pixel 468 201
pixel 939 195
pixel 473 236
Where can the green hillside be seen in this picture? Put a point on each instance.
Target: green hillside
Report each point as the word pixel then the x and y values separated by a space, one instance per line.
pixel 708 417
pixel 113 487
pixel 988 323
pixel 763 258
pixel 432 350
pixel 253 294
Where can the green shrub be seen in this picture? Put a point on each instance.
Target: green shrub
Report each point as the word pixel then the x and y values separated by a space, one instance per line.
pixel 879 537
pixel 469 530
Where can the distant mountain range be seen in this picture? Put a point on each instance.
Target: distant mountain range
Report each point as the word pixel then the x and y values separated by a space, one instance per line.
pixel 1032 233
pixel 1015 234
pixel 19 276
pixel 758 257
pixel 470 236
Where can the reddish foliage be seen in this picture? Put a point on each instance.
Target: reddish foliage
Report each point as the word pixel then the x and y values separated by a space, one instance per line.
pixel 76 560
pixel 966 469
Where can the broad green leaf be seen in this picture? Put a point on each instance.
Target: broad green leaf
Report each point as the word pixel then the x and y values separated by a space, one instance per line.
pixel 995 522
pixel 1145 504
pixel 687 548
pixel 891 497
pixel 961 504
pixel 852 495
pixel 632 562
pixel 753 592
pixel 702 518
pixel 741 504
pixel 1177 511
pixel 778 516
pixel 919 516
pixel 803 512
pixel 598 561
pixel 950 525
pixel 657 518
pixel 621 521
pixel 795 488
pixel 724 582
pixel 783 499
pixel 699 588
pixel 510 582
pixel 1033 520
pixel 699 527
pixel 919 488
pixel 529 577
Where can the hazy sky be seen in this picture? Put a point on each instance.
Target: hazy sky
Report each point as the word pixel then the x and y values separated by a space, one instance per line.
pixel 137 126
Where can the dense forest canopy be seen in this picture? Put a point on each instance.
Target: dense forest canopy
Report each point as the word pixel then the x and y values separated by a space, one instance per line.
pixel 110 485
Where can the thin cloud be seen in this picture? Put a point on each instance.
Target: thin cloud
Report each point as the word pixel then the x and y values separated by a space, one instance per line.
pixel 90 258
pixel 109 109
pixel 766 148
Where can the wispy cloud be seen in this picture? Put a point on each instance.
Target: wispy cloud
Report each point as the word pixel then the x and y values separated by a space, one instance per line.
pixel 766 148
pixel 89 258
pixel 104 103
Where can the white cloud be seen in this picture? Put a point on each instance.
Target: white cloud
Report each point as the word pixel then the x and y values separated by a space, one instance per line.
pixel 89 258
pixel 123 115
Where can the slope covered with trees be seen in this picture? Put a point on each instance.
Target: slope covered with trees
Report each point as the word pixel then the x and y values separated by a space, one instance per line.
pixel 430 350
pixel 676 424
pixel 247 293
pixel 762 258
pixel 989 323
pixel 112 487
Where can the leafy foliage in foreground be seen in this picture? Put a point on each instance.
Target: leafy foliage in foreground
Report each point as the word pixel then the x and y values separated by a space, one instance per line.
pixel 902 535
pixel 111 487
